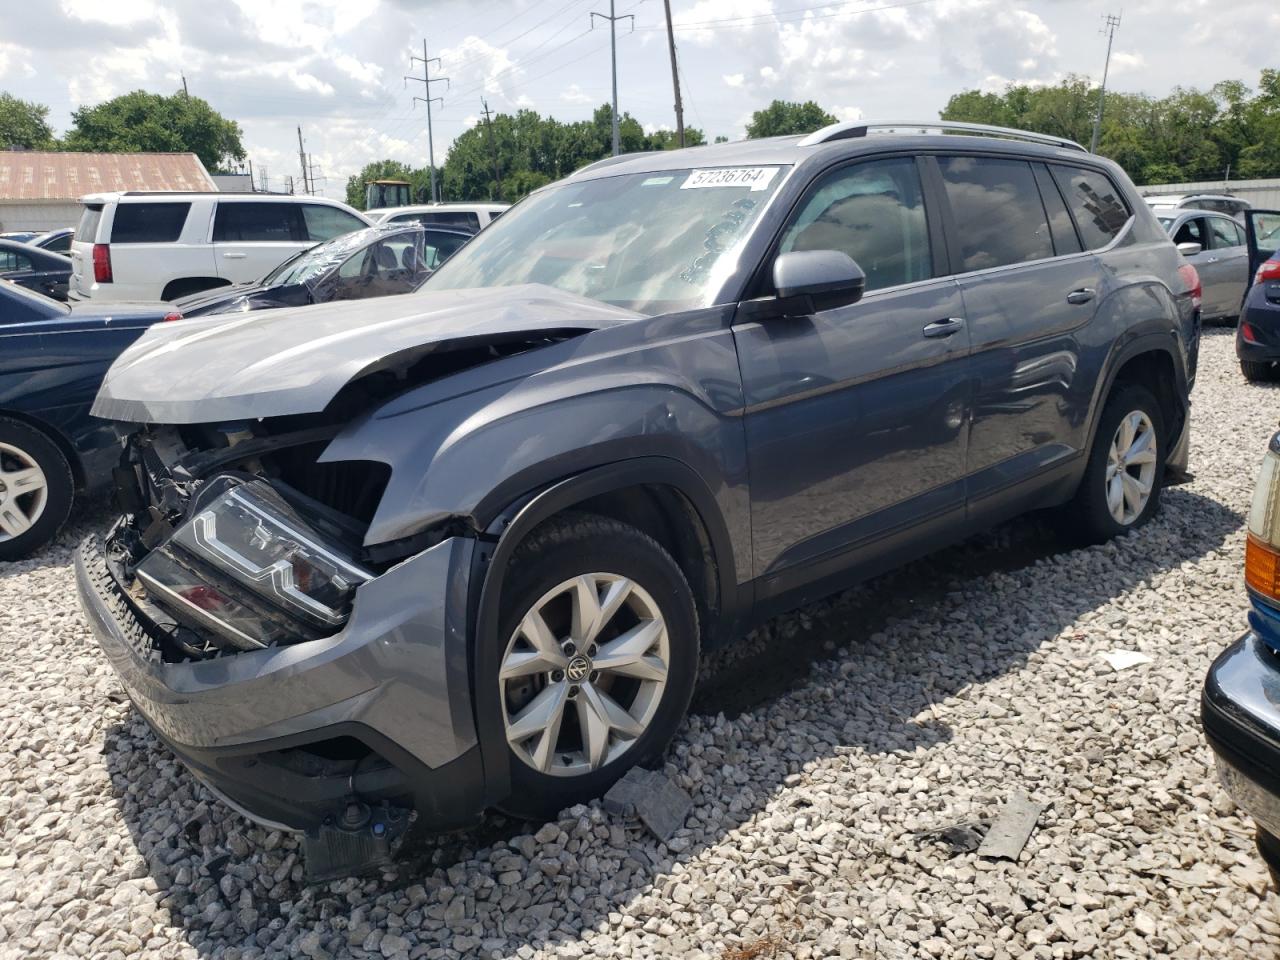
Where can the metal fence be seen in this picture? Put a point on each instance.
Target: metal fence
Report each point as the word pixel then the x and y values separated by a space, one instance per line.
pixel 1260 193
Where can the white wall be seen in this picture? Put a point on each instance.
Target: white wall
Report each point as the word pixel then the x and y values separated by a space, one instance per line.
pixel 20 215
pixel 1260 193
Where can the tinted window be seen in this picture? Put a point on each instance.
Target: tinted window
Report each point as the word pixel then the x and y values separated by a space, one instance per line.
pixel 465 221
pixel 997 209
pixel 148 222
pixel 325 223
pixel 1191 231
pixel 261 222
pixel 1061 227
pixel 12 260
pixel 87 229
pixel 440 247
pixel 59 244
pixel 1095 202
pixel 874 212
pixel 1225 233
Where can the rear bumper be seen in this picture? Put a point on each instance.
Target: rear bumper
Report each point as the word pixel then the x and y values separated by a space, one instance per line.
pixel 1240 712
pixel 1262 316
pixel 380 712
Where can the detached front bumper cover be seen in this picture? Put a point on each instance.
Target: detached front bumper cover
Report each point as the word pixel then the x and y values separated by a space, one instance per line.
pixel 394 679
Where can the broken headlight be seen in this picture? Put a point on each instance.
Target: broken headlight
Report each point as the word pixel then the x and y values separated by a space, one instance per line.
pixel 250 567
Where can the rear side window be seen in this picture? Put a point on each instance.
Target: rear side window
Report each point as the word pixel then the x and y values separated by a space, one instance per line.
pixel 1095 203
pixel 257 223
pixel 1061 226
pixel 1225 233
pixel 148 222
pixel 325 223
pixel 997 209
pixel 87 228
pixel 450 218
pixel 60 244
pixel 872 211
pixel 12 260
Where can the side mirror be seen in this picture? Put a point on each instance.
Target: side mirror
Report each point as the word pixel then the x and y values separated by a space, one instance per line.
pixel 830 278
pixel 1189 248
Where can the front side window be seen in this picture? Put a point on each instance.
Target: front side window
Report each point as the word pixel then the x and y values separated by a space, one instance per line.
pixel 997 210
pixel 1095 202
pixel 240 222
pixel 652 242
pixel 325 222
pixel 872 211
pixel 440 247
pixel 1191 231
pixel 147 222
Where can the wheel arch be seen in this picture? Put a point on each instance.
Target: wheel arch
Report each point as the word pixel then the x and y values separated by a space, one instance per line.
pixel 56 436
pixel 628 491
pixel 1150 361
pixel 184 286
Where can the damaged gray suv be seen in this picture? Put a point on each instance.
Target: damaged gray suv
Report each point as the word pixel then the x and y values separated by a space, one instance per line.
pixel 461 549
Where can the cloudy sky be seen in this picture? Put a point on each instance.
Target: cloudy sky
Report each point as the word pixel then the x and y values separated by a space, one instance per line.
pixel 336 66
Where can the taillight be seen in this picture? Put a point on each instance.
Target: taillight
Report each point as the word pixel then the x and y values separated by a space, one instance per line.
pixel 1269 270
pixel 1262 547
pixel 170 316
pixel 1192 281
pixel 1248 334
pixel 101 263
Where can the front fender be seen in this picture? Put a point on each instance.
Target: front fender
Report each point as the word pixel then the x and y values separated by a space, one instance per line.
pixel 642 390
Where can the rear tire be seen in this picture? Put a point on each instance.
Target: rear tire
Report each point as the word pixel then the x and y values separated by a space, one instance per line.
pixel 38 489
pixel 1095 515
pixel 1258 371
pixel 573 724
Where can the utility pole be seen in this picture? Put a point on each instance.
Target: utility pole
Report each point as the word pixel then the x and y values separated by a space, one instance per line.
pixel 613 19
pixel 493 152
pixel 675 74
pixel 263 176
pixel 289 178
pixel 427 80
pixel 311 173
pixel 185 95
pixel 302 159
pixel 1110 24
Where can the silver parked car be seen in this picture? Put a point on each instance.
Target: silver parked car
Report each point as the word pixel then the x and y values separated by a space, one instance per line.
pixel 1221 257
pixel 1168 203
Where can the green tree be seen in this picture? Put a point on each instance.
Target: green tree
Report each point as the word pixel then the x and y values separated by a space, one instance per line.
pixel 782 118
pixel 24 123
pixel 141 121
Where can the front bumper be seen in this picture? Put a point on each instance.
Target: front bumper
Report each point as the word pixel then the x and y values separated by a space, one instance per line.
pixel 1240 712
pixel 274 731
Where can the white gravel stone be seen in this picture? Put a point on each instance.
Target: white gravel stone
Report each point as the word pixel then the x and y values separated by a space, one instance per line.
pixel 818 748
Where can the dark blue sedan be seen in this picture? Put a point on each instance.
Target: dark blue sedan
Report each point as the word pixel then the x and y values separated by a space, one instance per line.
pixel 52 360
pixel 36 269
pixel 1258 333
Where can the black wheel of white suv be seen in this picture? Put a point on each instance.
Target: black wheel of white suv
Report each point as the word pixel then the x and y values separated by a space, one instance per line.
pixel 36 489
pixel 600 654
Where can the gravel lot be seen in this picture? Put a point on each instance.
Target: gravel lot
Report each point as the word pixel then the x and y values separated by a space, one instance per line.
pixel 817 752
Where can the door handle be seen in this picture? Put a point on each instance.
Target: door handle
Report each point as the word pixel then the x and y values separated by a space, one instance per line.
pixel 234 256
pixel 1212 260
pixel 944 328
pixel 1083 295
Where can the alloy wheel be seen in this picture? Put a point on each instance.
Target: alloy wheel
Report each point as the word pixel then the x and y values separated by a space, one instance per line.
pixel 583 674
pixel 1131 467
pixel 24 491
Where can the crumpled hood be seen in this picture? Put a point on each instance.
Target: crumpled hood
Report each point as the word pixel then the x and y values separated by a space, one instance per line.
pixel 291 361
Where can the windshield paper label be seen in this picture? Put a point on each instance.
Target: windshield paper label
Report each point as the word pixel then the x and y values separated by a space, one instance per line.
pixel 756 178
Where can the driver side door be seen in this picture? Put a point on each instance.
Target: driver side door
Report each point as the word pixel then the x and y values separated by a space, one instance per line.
pixel 856 416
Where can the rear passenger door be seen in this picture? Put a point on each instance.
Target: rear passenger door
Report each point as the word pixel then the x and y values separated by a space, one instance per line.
pixel 251 237
pixel 1229 258
pixel 1028 287
pixel 152 243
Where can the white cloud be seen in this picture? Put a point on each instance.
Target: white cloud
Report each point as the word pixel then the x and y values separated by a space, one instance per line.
pixel 573 94
pixel 734 80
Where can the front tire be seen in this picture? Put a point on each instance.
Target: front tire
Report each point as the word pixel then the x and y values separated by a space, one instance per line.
pixel 600 653
pixel 1120 490
pixel 36 489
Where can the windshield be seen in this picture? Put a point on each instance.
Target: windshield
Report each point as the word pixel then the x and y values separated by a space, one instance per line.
pixel 651 242
pixel 309 265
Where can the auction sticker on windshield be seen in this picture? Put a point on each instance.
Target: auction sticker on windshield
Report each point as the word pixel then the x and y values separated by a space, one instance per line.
pixel 756 178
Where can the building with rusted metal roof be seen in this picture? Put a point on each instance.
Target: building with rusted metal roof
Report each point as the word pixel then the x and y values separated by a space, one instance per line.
pixel 41 190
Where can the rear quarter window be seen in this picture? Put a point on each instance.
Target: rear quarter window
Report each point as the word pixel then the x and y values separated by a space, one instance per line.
pixel 87 228
pixel 149 222
pixel 1095 203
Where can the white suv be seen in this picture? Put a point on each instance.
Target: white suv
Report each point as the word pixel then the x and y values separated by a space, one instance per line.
pixel 162 246
pixel 472 217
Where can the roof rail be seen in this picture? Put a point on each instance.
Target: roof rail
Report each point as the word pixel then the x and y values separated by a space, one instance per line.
pixel 860 128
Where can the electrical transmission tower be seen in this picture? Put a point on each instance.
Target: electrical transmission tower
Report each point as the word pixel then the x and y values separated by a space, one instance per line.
pixel 613 19
pixel 427 80
pixel 1110 24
